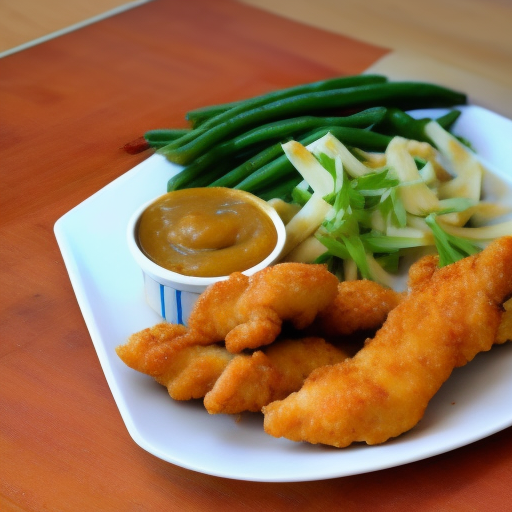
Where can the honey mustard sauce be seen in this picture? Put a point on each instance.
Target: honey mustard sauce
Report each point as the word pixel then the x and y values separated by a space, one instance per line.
pixel 206 232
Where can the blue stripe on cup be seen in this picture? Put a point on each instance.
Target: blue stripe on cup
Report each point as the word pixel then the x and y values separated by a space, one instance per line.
pixel 179 309
pixel 162 301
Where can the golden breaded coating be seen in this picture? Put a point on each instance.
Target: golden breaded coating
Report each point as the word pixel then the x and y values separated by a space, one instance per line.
pixel 422 270
pixel 248 312
pixel 147 351
pixel 247 384
pixel 385 388
pixel 189 373
pixel 194 371
pixel 251 381
pixel 359 305
pixel 505 328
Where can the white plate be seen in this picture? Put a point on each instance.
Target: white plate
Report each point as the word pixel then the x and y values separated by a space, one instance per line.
pixel 474 403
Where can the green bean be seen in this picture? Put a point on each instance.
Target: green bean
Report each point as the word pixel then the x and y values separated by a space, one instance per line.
pixel 154 139
pixel 162 139
pixel 158 144
pixel 190 177
pixel 397 122
pixel 282 190
pixel 259 101
pixel 164 134
pixel 279 169
pixel 269 132
pixel 203 180
pixel 402 124
pixel 398 94
pixel 449 119
pixel 356 137
pixel 198 116
pixel 241 172
pixel 282 169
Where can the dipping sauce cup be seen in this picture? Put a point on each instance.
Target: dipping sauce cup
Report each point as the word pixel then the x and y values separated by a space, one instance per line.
pixel 172 294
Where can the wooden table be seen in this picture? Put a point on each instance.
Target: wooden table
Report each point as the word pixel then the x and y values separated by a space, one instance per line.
pixel 67 107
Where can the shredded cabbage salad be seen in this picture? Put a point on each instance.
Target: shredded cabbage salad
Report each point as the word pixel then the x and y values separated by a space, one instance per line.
pixel 362 213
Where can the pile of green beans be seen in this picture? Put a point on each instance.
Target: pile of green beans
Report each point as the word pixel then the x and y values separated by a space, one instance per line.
pixel 238 144
pixel 208 117
pixel 211 115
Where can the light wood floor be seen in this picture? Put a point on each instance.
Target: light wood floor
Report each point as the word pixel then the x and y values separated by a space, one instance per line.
pixel 473 35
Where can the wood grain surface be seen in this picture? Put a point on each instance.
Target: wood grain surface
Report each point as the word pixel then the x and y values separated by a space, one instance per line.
pixel 66 108
pixel 472 35
pixel 25 21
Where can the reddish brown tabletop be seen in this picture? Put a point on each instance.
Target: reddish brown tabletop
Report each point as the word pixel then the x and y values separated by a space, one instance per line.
pixel 67 107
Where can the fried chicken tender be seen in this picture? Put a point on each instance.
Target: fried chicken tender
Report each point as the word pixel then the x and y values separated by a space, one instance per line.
pixel 359 305
pixel 230 383
pixel 190 373
pixel 248 312
pixel 384 389
pixel 251 381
